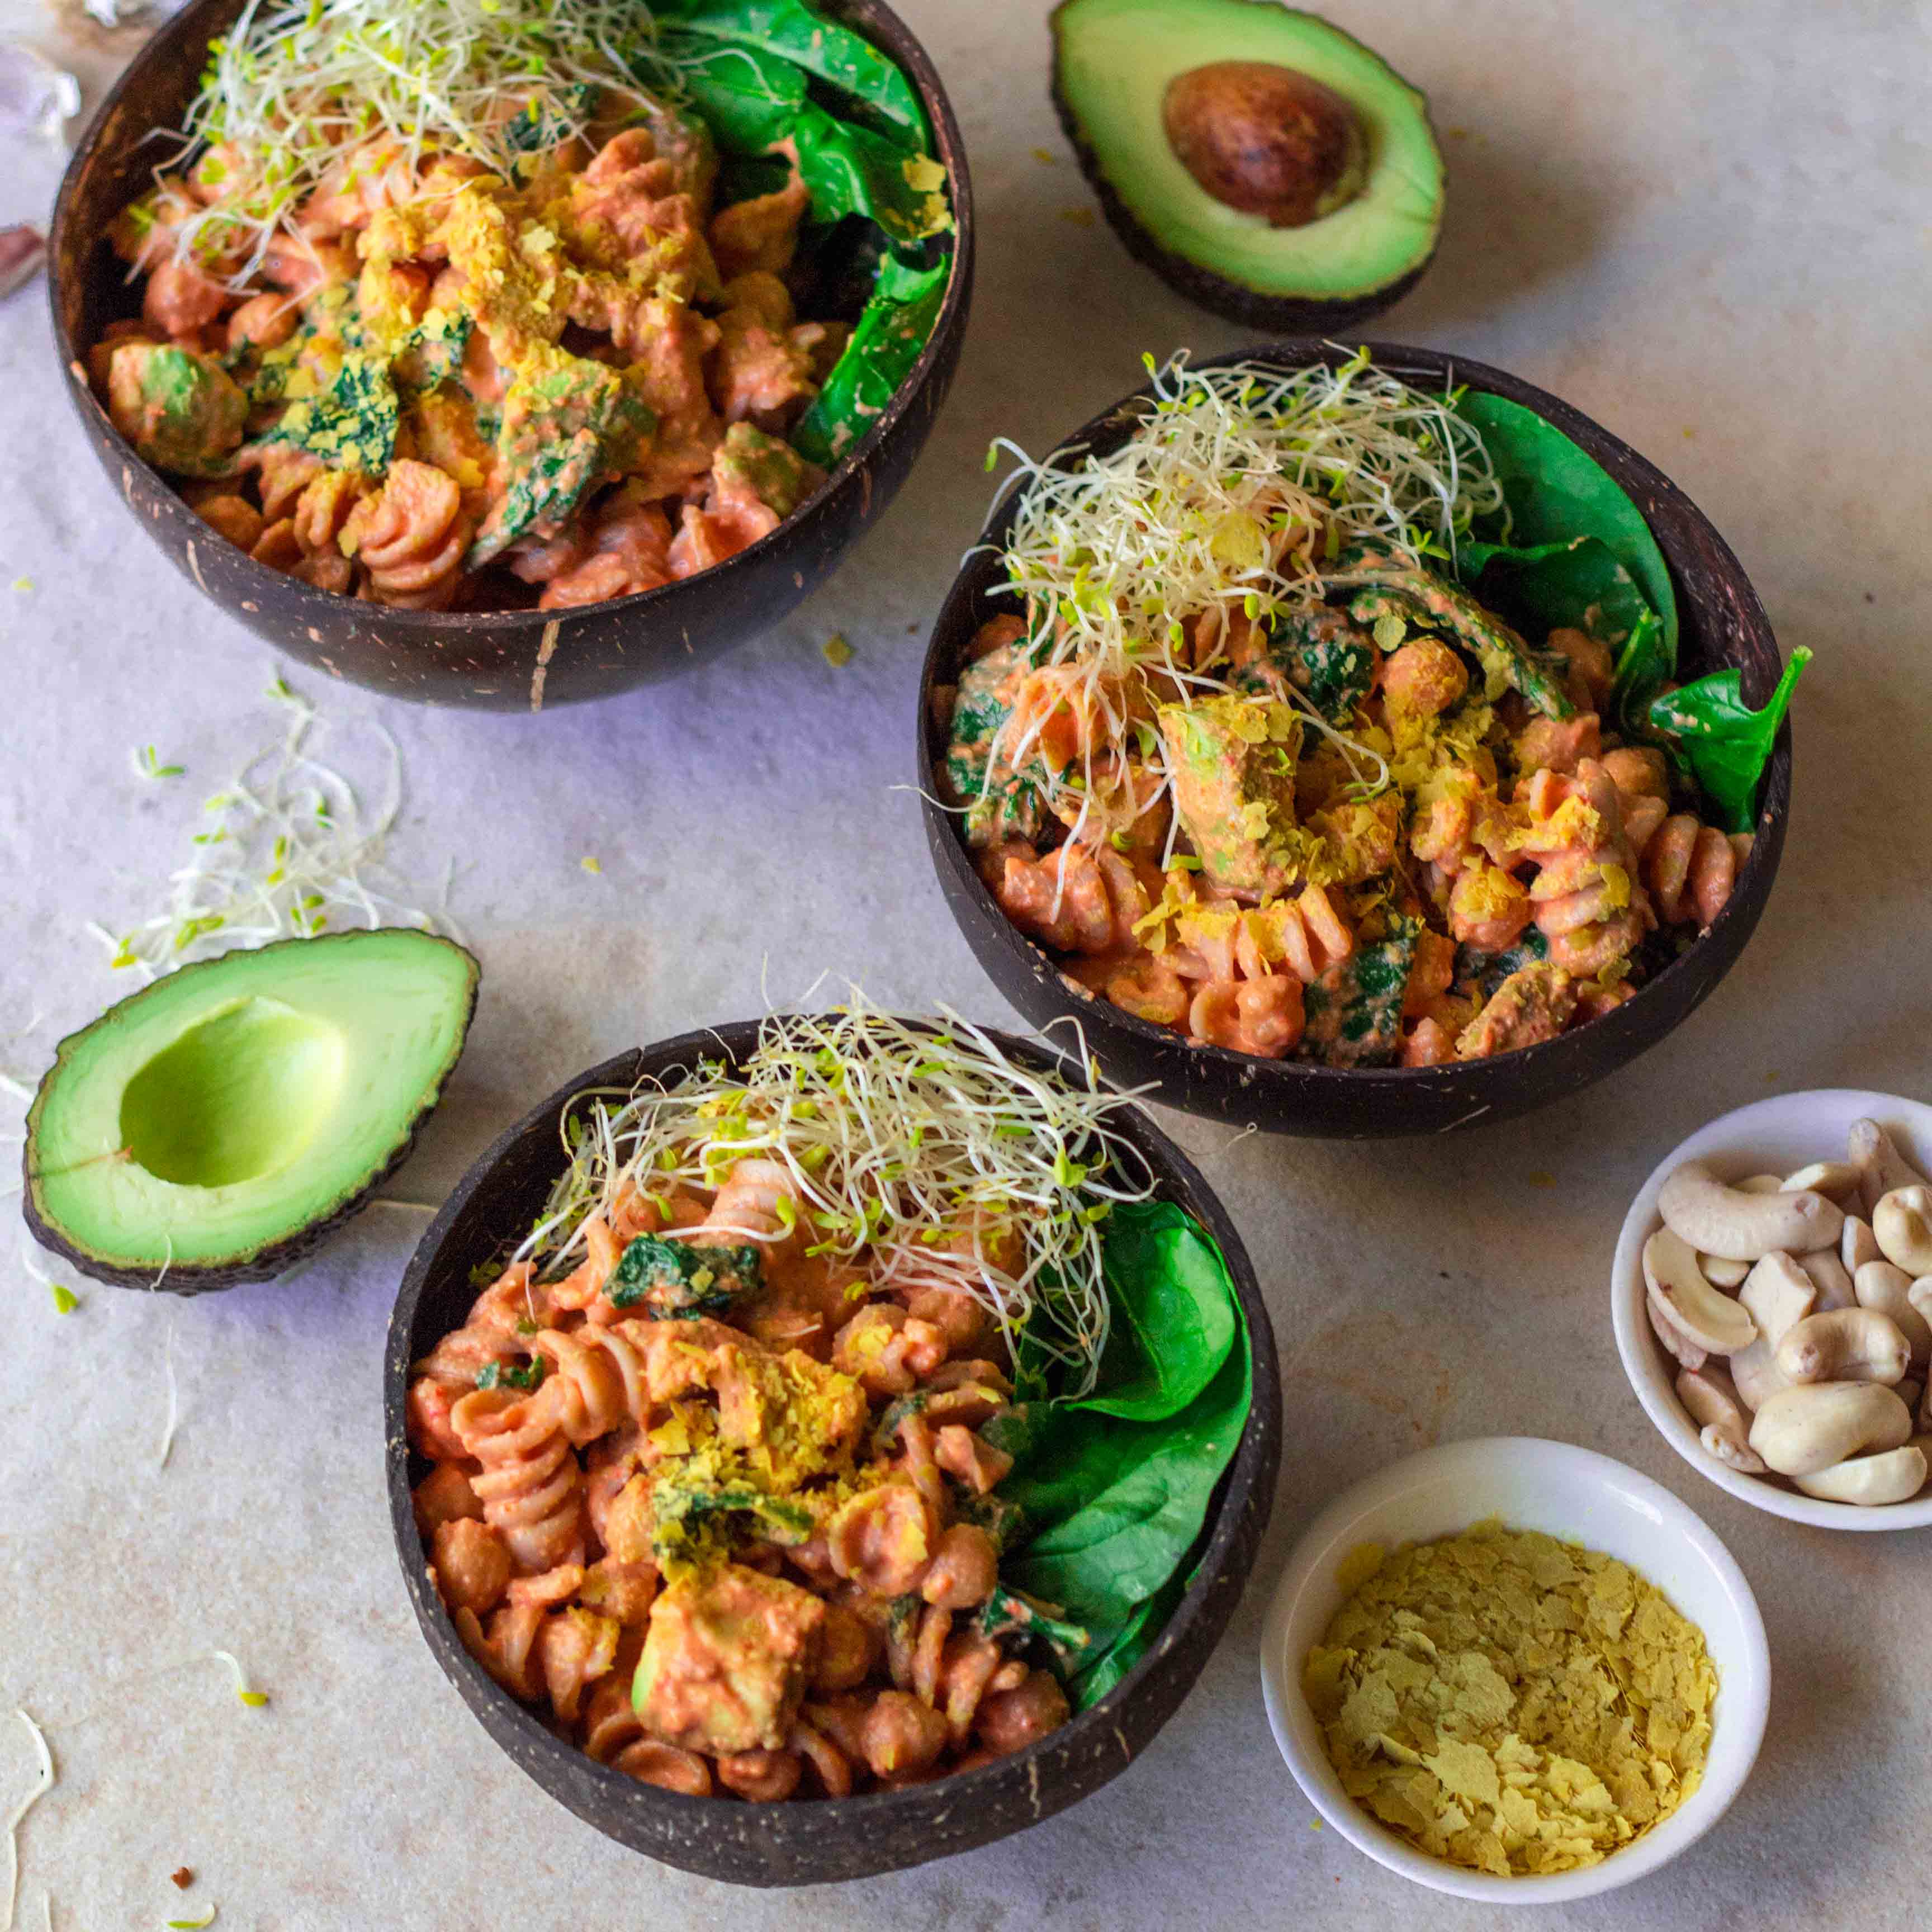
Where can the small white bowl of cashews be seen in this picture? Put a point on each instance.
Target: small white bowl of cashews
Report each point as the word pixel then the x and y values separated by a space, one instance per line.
pixel 1772 1295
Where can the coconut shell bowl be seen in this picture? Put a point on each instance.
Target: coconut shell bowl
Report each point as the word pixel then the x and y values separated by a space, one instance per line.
pixel 1721 623
pixel 815 1842
pixel 493 660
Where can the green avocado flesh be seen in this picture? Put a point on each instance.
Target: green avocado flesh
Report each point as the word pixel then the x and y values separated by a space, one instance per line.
pixel 1113 60
pixel 210 1122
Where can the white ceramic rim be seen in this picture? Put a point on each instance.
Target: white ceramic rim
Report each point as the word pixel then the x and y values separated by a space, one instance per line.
pixel 1759 1137
pixel 1744 1696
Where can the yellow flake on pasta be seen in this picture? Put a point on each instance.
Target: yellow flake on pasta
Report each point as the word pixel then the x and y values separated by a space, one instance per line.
pixel 1508 1702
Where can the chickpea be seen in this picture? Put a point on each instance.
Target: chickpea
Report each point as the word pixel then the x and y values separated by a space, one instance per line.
pixel 848 1647
pixel 472 1565
pixel 443 1495
pixel 1009 1720
pixel 883 1540
pixel 261 321
pixel 1424 677
pixel 964 1570
pixel 762 1777
pixel 901 1734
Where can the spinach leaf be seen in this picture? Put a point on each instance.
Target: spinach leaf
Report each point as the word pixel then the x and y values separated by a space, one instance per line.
pixel 1726 743
pixel 679 1280
pixel 1556 493
pixel 1115 1506
pixel 796 33
pixel 1355 1007
pixel 1577 582
pixel 1010 1613
pixel 352 425
pixel 1643 668
pixel 1116 1653
pixel 749 100
pixel 752 100
pixel 1168 1280
pixel 1489 969
pixel 892 331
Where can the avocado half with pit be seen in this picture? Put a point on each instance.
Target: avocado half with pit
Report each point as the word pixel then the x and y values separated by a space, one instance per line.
pixel 1269 166
pixel 212 1128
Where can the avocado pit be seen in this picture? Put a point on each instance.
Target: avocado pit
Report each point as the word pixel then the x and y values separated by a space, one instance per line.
pixel 1266 139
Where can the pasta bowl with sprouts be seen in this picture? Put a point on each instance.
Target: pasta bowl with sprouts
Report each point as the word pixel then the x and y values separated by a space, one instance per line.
pixel 512 352
pixel 1352 742
pixel 820 1445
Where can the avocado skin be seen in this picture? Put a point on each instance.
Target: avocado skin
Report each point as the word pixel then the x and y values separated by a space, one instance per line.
pixel 1279 315
pixel 264 1263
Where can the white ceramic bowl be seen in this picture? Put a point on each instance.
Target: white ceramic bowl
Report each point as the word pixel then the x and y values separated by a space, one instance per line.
pixel 1782 1134
pixel 1564 1492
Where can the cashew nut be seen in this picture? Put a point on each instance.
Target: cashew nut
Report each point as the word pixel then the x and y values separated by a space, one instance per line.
pixel 1858 1244
pixel 1902 1222
pixel 1777 1293
pixel 1721 1273
pixel 1892 1292
pixel 1803 1429
pixel 1881 1167
pixel 1895 1477
pixel 1911 1392
pixel 1712 1321
pixel 1836 1180
pixel 1754 1373
pixel 1712 1402
pixel 1828 1277
pixel 1718 1219
pixel 1676 1344
pixel 1759 1183
pixel 1844 1345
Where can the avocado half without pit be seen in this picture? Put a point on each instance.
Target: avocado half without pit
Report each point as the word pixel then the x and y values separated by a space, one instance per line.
pixel 1269 166
pixel 212 1128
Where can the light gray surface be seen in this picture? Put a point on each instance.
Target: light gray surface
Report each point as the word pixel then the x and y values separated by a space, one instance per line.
pixel 1704 223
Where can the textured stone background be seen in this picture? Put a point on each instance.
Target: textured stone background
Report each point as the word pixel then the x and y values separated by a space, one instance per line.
pixel 1705 222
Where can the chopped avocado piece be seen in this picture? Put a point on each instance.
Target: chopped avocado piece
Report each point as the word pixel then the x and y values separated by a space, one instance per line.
pixel 772 470
pixel 1231 761
pixel 1327 658
pixel 678 1280
pixel 1355 1009
pixel 219 1122
pixel 561 414
pixel 1268 165
pixel 727 1659
pixel 181 410
pixel 353 425
pixel 1392 586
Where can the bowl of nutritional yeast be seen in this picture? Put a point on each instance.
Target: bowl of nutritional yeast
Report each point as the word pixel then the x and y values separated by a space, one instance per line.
pixel 1353 742
pixel 508 356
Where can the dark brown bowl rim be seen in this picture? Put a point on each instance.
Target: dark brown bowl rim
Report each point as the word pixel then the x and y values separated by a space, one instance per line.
pixel 194 22
pixel 1248 1480
pixel 1229 1067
